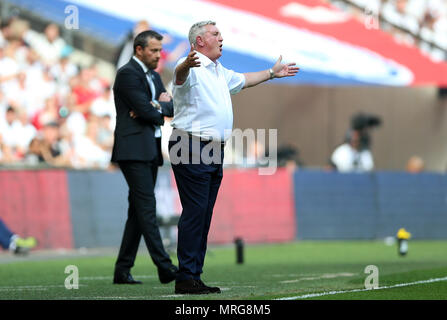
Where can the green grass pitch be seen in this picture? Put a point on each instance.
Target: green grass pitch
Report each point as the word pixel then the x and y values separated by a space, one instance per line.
pixel 313 269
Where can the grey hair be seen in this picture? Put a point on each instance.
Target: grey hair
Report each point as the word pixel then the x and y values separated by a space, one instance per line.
pixel 197 29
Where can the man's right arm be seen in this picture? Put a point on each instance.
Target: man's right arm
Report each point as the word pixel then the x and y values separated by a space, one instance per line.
pixel 182 70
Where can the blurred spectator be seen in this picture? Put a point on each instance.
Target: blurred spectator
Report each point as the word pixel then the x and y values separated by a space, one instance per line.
pixel 49 45
pixel 33 156
pixel 434 29
pixel 416 22
pixel 63 71
pixel 3 106
pixel 125 50
pixel 50 146
pixel 256 155
pixel 415 164
pixel 35 97
pixel 288 157
pixel 6 156
pixel 26 133
pixel 9 68
pixel 104 104
pixel 83 89
pixel 351 157
pixel 10 130
pixel 105 133
pixel 43 90
pixel 19 95
pixel 4 32
pixel 88 152
pixel 396 12
pixel 76 123
pixel 96 83
pixel 49 113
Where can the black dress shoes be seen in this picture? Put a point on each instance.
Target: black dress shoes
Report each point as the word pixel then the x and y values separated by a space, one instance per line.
pixel 211 289
pixel 167 275
pixel 124 278
pixel 191 287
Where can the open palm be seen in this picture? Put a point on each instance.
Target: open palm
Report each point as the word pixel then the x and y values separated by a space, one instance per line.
pixel 281 70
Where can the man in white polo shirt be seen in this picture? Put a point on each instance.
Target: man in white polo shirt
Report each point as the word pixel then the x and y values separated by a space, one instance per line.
pixel 203 119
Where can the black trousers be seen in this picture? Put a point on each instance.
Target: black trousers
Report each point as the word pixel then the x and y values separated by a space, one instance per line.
pixel 198 185
pixel 141 218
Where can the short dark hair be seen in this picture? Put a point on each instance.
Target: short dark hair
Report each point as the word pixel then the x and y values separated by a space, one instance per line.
pixel 141 39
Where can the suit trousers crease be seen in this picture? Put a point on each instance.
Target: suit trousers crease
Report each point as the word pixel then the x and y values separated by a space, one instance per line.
pixel 141 218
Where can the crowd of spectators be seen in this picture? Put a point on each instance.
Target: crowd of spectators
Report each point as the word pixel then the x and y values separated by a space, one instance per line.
pixel 414 22
pixel 52 112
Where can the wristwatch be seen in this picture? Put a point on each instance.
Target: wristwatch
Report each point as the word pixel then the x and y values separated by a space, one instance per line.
pixel 156 104
pixel 272 75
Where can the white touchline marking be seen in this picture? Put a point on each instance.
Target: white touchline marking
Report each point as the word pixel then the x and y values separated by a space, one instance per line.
pixel 182 295
pixel 118 297
pixel 111 277
pixel 314 295
pixel 37 287
pixel 21 289
pixel 323 276
pixel 103 297
pixel 173 296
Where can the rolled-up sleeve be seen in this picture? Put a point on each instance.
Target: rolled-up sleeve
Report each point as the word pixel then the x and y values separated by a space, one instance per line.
pixel 235 80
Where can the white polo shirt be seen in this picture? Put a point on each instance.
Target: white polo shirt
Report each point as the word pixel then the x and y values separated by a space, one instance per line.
pixel 202 104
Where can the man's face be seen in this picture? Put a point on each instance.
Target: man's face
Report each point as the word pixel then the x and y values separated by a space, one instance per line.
pixel 355 140
pixel 52 32
pixel 150 55
pixel 10 116
pixel 211 41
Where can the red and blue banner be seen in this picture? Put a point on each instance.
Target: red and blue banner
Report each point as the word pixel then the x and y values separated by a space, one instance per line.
pixel 331 47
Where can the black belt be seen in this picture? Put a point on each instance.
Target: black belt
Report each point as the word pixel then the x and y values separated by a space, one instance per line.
pixel 201 139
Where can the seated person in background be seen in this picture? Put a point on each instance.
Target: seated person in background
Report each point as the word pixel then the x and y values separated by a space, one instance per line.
pixel 34 154
pixel 11 241
pixel 48 149
pixel 415 164
pixel 351 156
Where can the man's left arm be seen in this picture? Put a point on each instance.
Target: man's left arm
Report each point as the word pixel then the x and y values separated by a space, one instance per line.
pixel 165 99
pixel 279 70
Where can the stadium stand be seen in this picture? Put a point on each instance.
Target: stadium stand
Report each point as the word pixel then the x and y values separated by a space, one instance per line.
pixel 52 111
pixel 56 110
pixel 412 22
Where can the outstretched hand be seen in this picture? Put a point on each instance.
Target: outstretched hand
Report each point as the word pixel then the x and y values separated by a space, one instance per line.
pixel 182 70
pixel 192 60
pixel 281 70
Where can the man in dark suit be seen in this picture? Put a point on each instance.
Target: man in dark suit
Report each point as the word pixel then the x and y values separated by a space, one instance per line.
pixel 141 103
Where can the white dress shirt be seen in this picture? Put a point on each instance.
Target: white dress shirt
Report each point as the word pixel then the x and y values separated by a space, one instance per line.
pixel 202 104
pixel 348 159
pixel 152 87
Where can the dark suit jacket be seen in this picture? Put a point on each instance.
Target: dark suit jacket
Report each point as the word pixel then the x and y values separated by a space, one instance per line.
pixel 134 138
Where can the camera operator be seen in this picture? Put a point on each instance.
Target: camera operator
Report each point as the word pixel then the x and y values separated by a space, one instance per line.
pixel 354 155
